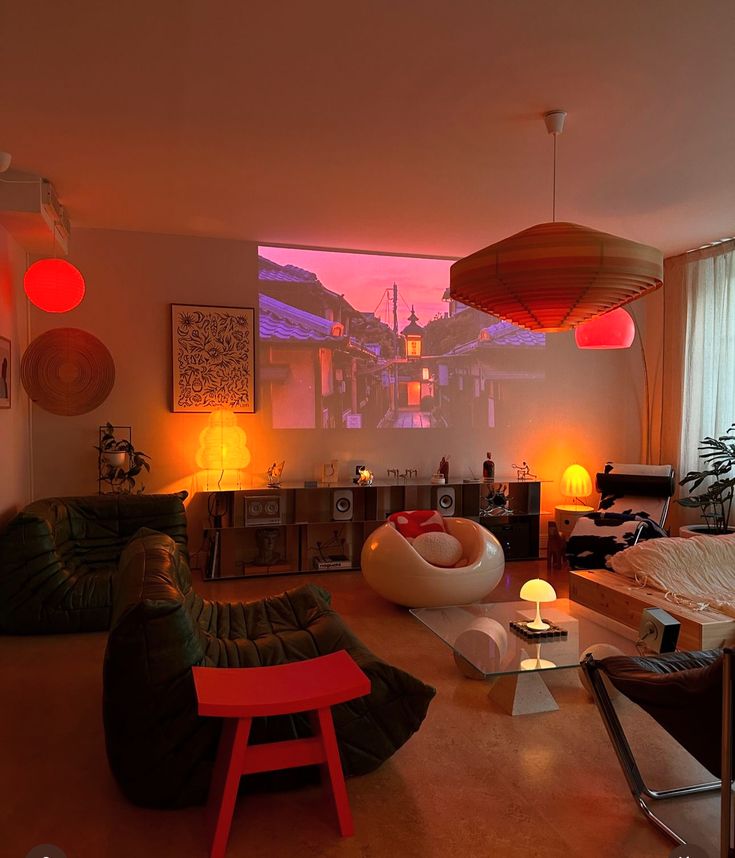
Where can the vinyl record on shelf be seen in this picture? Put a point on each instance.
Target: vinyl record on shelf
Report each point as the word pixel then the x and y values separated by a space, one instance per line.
pixel 67 371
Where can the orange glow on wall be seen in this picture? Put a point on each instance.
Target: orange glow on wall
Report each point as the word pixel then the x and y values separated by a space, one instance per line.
pixel 54 285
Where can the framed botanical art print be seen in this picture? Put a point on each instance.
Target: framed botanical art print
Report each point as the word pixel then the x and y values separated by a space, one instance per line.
pixel 5 377
pixel 213 355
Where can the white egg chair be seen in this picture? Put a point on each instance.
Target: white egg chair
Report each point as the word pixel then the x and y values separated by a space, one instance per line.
pixel 397 572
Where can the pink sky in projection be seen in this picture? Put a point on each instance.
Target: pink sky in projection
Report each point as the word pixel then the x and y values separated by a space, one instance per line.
pixel 363 278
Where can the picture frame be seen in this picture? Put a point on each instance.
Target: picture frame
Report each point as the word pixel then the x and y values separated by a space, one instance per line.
pixel 212 358
pixel 6 374
pixel 330 473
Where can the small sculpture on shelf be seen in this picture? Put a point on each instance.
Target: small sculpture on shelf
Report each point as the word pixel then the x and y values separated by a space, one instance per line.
pixel 274 474
pixel 497 502
pixel 364 476
pixel 523 472
pixel 332 553
pixel 488 469
pixel 443 468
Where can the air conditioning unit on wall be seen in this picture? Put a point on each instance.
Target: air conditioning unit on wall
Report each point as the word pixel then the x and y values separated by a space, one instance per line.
pixel 31 212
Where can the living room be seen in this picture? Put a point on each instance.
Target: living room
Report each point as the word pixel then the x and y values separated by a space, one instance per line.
pixel 201 149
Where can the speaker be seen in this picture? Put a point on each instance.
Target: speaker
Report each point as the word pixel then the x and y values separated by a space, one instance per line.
pixel 262 510
pixel 659 631
pixel 444 499
pixel 342 506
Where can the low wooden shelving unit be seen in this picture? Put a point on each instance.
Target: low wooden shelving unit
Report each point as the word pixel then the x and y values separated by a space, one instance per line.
pixel 293 528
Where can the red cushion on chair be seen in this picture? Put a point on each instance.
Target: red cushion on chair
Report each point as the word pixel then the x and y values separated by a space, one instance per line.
pixel 412 523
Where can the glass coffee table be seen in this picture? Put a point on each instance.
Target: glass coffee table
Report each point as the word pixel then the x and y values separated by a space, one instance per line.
pixel 485 646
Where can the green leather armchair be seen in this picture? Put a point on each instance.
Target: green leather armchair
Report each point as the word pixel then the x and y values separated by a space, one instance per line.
pixel 58 558
pixel 160 751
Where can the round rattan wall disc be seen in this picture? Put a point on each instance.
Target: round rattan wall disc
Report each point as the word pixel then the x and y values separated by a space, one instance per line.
pixel 67 371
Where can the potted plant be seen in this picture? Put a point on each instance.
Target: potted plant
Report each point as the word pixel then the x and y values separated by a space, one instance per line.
pixel 119 462
pixel 714 501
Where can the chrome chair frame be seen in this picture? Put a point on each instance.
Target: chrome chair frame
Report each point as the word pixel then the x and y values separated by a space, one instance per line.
pixel 637 785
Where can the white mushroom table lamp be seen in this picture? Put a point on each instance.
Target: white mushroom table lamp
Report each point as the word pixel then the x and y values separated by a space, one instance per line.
pixel 537 590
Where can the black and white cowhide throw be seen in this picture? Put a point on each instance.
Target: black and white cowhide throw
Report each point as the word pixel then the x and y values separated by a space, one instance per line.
pixel 599 535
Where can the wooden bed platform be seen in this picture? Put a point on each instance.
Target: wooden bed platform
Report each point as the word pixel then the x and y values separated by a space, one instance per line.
pixel 622 600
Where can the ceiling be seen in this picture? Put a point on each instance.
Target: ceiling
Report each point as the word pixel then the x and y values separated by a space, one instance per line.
pixel 395 125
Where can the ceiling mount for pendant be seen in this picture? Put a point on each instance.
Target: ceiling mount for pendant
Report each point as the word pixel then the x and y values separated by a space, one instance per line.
pixel 554 120
pixel 554 276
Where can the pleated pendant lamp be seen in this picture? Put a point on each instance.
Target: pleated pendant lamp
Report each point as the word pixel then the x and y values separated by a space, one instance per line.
pixel 554 276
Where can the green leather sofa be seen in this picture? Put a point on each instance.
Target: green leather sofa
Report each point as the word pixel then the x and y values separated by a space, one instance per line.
pixel 58 558
pixel 160 751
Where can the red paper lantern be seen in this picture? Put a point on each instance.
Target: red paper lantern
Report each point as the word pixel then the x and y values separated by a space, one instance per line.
pixel 54 285
pixel 613 330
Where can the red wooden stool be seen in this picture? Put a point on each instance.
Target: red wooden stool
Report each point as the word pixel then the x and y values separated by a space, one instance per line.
pixel 240 694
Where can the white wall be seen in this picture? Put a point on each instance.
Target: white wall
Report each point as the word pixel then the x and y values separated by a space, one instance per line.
pixel 14 435
pixel 589 411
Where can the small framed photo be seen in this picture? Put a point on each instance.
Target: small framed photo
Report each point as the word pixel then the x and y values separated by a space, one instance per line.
pixel 213 358
pixel 330 473
pixel 5 374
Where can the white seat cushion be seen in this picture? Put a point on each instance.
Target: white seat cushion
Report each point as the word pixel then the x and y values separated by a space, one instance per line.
pixel 700 569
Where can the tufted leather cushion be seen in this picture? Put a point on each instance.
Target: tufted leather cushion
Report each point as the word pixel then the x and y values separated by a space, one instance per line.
pixel 59 555
pixel 159 749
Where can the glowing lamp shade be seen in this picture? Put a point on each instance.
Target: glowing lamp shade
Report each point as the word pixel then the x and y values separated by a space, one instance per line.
pixel 554 276
pixel 576 482
pixel 537 590
pixel 54 285
pixel 613 330
pixel 223 450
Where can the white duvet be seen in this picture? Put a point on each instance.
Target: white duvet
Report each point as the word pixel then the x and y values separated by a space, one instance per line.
pixel 699 570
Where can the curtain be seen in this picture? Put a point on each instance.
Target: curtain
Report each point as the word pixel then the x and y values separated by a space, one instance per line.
pixel 708 384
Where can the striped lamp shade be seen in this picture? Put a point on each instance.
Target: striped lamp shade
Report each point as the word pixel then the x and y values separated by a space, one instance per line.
pixel 554 276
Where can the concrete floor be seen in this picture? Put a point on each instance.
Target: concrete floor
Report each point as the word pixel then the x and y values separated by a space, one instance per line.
pixel 472 782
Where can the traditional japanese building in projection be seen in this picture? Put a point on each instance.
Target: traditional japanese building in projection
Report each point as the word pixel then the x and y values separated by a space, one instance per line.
pixel 366 341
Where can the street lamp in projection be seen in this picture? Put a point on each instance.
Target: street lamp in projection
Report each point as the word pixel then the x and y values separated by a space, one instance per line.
pixel 414 335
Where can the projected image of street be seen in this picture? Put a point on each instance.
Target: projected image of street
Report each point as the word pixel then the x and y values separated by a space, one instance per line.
pixel 362 341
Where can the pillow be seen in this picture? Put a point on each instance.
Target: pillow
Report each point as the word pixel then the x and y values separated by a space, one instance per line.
pixel 416 521
pixel 439 549
pixel 701 568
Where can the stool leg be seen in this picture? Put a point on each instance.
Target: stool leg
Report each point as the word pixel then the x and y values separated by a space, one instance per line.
pixel 225 781
pixel 334 772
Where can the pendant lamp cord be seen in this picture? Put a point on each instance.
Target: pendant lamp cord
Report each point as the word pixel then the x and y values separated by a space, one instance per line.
pixel 553 192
